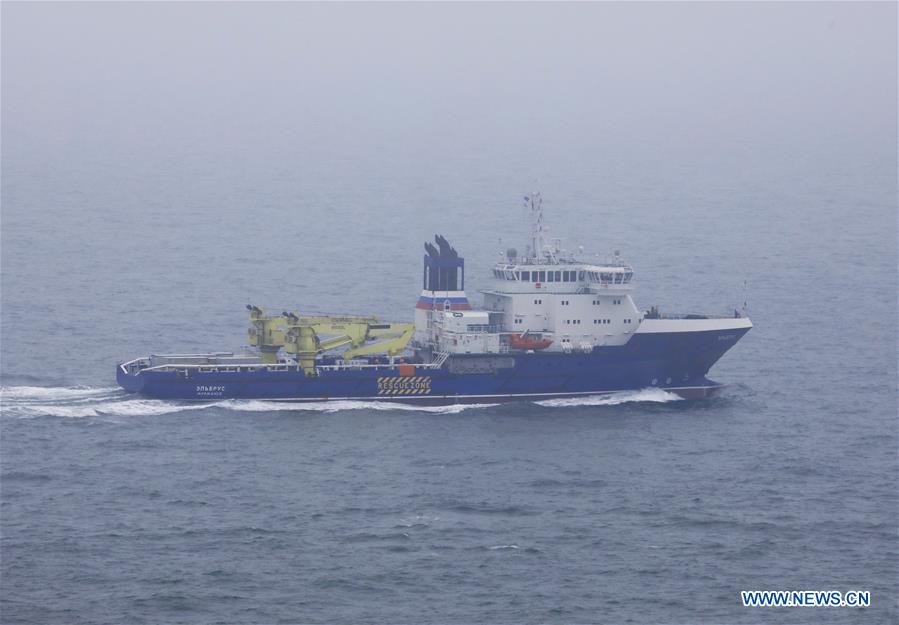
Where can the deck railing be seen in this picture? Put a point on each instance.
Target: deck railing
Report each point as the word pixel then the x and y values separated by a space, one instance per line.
pixel 657 315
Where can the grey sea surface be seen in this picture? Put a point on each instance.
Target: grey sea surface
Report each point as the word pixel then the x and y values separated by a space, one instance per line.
pixel 147 198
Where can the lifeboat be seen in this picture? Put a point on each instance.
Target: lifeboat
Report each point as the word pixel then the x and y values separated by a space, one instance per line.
pixel 526 341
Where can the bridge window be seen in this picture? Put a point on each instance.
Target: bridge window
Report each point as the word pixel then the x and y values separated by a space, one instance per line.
pixel 550 276
pixel 628 275
pixel 618 278
pixel 580 275
pixel 558 275
pixel 542 276
pixel 525 276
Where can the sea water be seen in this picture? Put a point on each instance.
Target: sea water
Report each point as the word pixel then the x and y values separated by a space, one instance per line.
pixel 150 232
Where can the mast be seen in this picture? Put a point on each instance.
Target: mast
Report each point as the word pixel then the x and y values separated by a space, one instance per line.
pixel 538 246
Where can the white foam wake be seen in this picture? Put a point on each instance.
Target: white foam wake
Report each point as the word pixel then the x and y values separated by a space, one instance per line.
pixel 73 401
pixel 656 395
pixel 51 393
pixel 121 408
pixel 338 405
pixel 81 402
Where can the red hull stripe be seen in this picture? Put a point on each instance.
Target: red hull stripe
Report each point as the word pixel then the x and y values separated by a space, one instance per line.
pixel 429 303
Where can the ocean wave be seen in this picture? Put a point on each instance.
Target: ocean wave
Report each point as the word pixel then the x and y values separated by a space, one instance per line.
pixel 117 408
pixel 654 395
pixel 54 393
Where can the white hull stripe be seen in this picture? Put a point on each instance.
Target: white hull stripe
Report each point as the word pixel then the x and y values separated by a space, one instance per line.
pixel 678 326
pixel 498 396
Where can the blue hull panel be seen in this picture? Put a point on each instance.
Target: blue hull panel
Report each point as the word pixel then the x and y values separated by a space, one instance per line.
pixel 675 361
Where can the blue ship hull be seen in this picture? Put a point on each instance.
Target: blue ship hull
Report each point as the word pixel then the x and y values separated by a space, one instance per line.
pixel 677 361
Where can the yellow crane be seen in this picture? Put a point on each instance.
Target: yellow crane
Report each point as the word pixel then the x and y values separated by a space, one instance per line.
pixel 307 336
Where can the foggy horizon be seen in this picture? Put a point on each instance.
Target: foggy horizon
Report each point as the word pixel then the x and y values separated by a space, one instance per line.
pixel 713 74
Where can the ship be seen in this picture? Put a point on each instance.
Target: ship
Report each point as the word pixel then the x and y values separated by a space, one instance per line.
pixel 550 326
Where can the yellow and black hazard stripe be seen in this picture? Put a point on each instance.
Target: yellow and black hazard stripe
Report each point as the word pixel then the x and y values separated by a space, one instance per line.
pixel 402 385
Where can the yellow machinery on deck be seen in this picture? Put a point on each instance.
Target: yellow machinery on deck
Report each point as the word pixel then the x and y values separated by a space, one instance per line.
pixel 306 337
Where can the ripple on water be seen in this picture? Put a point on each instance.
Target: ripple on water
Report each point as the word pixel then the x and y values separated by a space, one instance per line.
pixel 490 509
pixel 25 476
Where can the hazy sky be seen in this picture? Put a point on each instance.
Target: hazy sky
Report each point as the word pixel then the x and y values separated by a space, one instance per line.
pixel 270 138
pixel 424 76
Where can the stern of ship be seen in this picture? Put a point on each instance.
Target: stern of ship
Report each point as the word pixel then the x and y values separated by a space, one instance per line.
pixel 127 374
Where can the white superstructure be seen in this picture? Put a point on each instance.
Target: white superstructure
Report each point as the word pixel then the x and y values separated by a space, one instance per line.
pixel 546 300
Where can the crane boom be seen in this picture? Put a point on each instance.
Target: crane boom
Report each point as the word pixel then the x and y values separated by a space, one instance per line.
pixel 308 336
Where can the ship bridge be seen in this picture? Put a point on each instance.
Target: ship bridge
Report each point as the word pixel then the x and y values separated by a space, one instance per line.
pixel 561 277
